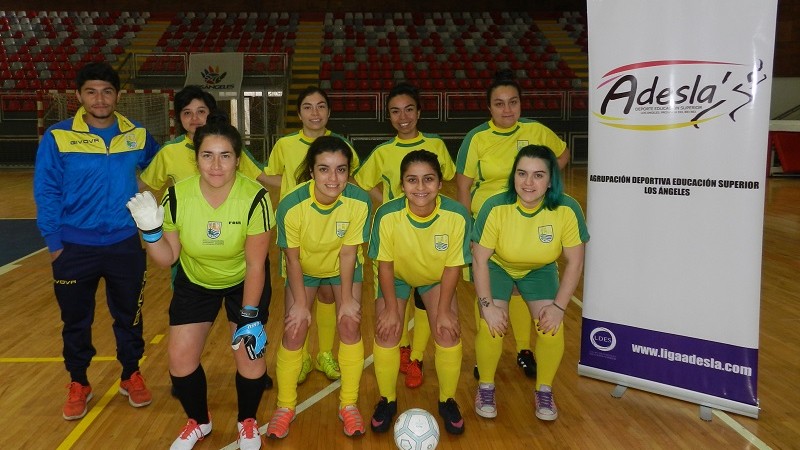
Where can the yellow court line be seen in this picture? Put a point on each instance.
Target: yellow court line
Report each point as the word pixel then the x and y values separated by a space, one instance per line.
pixel 87 420
pixel 157 339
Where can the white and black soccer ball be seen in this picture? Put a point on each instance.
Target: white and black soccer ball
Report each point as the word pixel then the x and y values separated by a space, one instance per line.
pixel 416 429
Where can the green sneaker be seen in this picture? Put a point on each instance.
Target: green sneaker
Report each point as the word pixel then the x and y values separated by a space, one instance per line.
pixel 305 370
pixel 328 365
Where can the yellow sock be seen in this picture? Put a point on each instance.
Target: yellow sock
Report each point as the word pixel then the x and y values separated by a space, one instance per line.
pixel 448 369
pixel 405 341
pixel 387 365
pixel 422 332
pixel 287 369
pixel 487 352
pixel 549 351
pixel 305 344
pixel 326 325
pixel 351 363
pixel 520 317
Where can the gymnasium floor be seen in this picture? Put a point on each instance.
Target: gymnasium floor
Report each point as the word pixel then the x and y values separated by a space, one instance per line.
pixel 32 377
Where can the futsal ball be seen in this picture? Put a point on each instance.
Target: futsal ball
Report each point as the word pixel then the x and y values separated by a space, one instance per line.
pixel 416 429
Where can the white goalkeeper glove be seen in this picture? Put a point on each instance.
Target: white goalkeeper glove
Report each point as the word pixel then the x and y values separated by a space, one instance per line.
pixel 148 215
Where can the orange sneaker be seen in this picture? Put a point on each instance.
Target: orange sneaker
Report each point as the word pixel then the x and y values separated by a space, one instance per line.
pixel 136 391
pixel 353 422
pixel 77 399
pixel 405 358
pixel 278 426
pixel 414 374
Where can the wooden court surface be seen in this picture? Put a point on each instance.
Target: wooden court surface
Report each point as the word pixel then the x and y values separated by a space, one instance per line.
pixel 33 379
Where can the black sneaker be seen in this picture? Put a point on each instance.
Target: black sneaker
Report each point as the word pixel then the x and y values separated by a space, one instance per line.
pixel 267 381
pixel 475 373
pixel 453 422
pixel 384 415
pixel 526 362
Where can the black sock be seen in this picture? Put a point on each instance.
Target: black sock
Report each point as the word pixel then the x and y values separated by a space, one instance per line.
pixel 248 393
pixel 80 377
pixel 127 372
pixel 192 391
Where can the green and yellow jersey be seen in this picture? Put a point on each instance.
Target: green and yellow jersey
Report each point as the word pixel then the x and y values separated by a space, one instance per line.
pixel 421 247
pixel 383 164
pixel 213 239
pixel 527 239
pixel 177 161
pixel 289 153
pixel 319 230
pixel 487 155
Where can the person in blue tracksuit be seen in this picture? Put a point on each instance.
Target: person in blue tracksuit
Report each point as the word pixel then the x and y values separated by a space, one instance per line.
pixel 85 172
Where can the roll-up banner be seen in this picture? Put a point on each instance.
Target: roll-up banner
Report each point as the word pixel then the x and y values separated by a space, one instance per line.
pixel 679 95
pixel 218 73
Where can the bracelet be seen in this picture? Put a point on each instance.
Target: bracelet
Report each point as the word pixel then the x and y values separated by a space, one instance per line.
pixel 556 305
pixel 484 301
pixel 152 236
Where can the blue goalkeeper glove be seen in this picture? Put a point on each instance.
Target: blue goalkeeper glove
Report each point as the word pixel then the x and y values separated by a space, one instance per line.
pixel 251 333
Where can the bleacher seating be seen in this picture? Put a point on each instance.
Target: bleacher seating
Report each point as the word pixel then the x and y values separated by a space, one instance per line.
pixel 42 48
pixel 438 51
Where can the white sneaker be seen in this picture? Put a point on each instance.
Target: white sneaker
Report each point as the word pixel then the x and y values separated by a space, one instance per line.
pixel 545 405
pixel 485 405
pixel 249 437
pixel 191 433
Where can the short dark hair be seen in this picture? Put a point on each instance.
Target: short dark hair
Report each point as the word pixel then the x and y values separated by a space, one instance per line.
pixel 404 88
pixel 552 198
pixel 97 71
pixel 422 156
pixel 503 77
pixel 217 124
pixel 320 145
pixel 194 92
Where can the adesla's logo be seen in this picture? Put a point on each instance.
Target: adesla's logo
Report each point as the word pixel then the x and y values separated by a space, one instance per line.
pixel 665 95
pixel 603 339
pixel 211 75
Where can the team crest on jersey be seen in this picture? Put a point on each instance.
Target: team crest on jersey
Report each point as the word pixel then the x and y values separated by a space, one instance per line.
pixel 130 141
pixel 521 144
pixel 341 228
pixel 214 229
pixel 441 242
pixel 546 234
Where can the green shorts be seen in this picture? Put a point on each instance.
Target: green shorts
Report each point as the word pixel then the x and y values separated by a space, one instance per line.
pixel 402 290
pixel 539 284
pixel 311 281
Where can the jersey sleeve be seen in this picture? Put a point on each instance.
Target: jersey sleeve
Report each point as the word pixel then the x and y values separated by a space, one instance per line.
pixel 368 174
pixel 443 155
pixel 155 175
pixel 358 231
pixel 260 218
pixel 384 250
pixel 170 204
pixel 575 231
pixel 467 159
pixel 484 231
pixel 459 252
pixel 275 163
pixel 248 166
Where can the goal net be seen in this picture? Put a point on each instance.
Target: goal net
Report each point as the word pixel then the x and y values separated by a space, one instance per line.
pixel 151 108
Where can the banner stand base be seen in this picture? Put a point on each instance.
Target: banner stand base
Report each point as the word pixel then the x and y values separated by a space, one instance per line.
pixel 704 401
pixel 619 391
pixel 705 413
